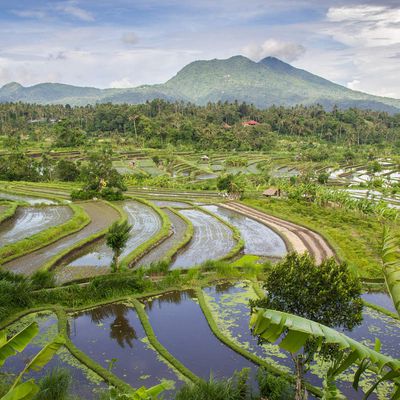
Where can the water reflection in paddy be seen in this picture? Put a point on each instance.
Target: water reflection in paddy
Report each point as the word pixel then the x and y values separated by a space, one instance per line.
pixel 84 382
pixel 181 327
pixel 114 331
pixel 145 224
pixel 258 238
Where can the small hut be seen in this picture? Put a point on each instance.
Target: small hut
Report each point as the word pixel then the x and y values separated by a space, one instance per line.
pixel 272 192
pixel 205 158
pixel 250 123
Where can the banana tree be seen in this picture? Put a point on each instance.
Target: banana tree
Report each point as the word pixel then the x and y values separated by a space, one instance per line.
pixel 16 344
pixel 270 325
pixel 391 265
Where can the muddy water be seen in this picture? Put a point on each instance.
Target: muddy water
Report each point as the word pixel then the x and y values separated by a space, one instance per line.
pixel 26 199
pixel 115 331
pixel 258 238
pixel 211 240
pixel 169 203
pixel 181 327
pixel 157 254
pixel 84 383
pixel 30 220
pixel 101 214
pixel 145 224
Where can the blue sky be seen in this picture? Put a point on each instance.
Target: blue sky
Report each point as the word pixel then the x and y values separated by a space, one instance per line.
pixel 123 43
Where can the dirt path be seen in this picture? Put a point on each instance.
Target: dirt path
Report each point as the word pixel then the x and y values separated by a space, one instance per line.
pixel 301 239
pixel 101 214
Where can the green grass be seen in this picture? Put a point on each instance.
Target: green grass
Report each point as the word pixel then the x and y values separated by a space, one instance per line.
pixel 11 208
pixel 41 239
pixel 354 237
pixel 246 260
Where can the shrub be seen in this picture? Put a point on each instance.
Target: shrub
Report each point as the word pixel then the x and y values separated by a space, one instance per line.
pixel 54 385
pixel 235 388
pixel 42 279
pixel 273 387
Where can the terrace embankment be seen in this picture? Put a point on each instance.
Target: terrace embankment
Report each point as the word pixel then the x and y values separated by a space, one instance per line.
pixel 300 238
pixel 101 215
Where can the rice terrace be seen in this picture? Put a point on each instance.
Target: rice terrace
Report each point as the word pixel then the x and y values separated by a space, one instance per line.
pixel 183 227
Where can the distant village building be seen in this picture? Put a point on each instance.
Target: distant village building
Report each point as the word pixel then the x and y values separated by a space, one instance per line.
pixel 205 158
pixel 250 123
pixel 272 192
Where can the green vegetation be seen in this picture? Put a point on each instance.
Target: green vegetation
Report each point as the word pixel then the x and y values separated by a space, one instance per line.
pixel 17 343
pixel 391 266
pixel 9 210
pixel 297 331
pixel 354 238
pixel 325 293
pixel 116 238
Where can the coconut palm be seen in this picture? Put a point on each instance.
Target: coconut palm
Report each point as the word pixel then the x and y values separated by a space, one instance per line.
pixel 116 239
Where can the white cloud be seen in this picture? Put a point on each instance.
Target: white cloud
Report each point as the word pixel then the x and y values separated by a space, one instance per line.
pixel 286 51
pixel 71 9
pixel 353 85
pixel 122 83
pixel 39 14
pixel 130 38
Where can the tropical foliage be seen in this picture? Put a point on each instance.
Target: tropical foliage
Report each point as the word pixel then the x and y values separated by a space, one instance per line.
pixel 391 265
pixel 270 325
pixel 17 343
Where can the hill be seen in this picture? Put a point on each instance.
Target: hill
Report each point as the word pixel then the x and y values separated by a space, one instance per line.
pixel 264 83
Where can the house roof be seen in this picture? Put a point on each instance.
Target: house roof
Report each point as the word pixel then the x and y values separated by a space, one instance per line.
pixel 271 191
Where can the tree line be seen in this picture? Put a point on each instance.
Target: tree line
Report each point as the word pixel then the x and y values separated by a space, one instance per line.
pixel 213 126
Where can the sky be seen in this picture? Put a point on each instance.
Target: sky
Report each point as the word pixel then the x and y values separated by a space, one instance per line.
pixel 126 43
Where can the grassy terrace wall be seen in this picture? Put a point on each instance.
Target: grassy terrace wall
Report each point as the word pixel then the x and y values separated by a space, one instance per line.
pixel 10 209
pixel 161 235
pixel 187 237
pixel 41 239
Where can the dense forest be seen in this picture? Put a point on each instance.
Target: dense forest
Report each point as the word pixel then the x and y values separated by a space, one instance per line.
pixel 214 126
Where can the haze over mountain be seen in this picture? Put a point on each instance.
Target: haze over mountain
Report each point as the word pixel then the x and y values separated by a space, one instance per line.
pixel 264 83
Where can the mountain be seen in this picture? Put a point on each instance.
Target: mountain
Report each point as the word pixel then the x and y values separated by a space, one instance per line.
pixel 264 83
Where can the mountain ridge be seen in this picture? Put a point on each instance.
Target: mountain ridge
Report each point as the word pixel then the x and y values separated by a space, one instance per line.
pixel 267 82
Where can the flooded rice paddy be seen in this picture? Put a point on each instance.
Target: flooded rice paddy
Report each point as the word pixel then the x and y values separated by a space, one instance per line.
pixel 158 253
pixel 101 214
pixel 27 199
pixel 258 238
pixel 211 240
pixel 145 224
pixel 30 220
pixel 84 383
pixel 114 331
pixel 181 327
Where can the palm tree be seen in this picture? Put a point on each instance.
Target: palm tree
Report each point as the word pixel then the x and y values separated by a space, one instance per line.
pixel 117 236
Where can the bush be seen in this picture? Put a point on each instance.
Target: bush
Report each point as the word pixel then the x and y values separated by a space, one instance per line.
pixel 14 291
pixel 83 194
pixel 42 279
pixel 235 388
pixel 273 387
pixel 54 385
